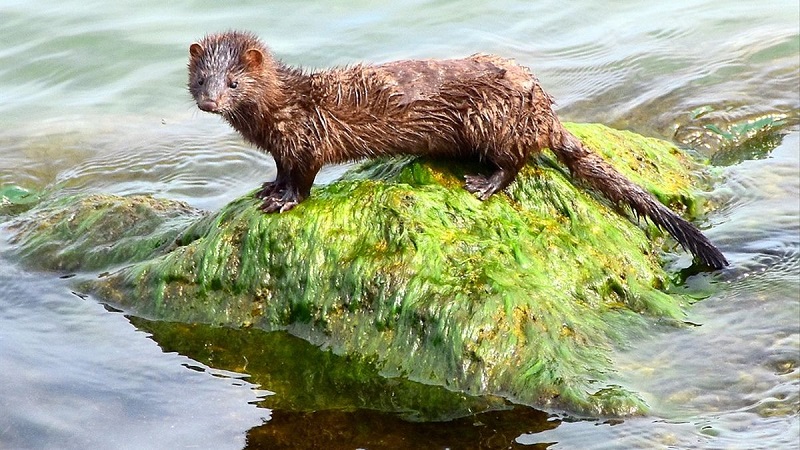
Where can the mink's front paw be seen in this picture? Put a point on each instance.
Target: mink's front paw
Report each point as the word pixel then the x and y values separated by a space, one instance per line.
pixel 271 205
pixel 267 189
pixel 280 201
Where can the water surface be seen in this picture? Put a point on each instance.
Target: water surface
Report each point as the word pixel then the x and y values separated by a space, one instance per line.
pixel 93 99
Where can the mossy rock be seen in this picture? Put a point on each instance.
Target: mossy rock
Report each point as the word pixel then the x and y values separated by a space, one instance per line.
pixel 99 231
pixel 522 296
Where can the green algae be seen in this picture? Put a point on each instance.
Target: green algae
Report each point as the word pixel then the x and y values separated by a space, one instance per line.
pixel 16 199
pixel 96 232
pixel 522 296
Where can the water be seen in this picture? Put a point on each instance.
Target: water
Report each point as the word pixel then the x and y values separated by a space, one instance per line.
pixel 92 99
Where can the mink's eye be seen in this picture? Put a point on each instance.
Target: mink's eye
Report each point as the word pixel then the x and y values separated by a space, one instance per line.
pixel 233 84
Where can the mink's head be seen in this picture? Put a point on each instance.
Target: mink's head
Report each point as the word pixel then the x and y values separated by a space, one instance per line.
pixel 228 70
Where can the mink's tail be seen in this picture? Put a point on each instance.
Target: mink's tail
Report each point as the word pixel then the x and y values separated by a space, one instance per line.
pixel 590 168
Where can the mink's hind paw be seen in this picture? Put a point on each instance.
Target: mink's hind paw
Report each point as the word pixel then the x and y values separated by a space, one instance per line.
pixel 479 185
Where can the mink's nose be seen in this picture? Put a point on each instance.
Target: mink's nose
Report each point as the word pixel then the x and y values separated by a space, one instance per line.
pixel 208 105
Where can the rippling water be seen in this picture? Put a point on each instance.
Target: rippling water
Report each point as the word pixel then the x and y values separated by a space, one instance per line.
pixel 92 99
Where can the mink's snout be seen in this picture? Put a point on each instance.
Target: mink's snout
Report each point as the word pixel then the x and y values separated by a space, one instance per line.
pixel 208 105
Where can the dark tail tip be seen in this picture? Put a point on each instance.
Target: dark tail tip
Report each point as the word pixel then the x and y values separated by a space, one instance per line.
pixel 689 237
pixel 702 248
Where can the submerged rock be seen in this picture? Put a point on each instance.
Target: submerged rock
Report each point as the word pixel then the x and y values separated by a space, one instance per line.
pixel 522 296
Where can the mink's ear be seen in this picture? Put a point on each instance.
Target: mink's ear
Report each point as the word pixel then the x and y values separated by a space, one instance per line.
pixel 195 50
pixel 254 58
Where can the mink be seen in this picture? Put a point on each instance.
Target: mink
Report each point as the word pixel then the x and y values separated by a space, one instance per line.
pixel 483 108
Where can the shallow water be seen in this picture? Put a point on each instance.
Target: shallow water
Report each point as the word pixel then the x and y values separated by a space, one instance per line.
pixel 92 99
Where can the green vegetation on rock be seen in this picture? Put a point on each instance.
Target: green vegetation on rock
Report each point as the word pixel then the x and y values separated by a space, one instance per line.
pixel 522 296
pixel 97 232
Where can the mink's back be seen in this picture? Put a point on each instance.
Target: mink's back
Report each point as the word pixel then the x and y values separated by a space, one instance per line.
pixel 430 107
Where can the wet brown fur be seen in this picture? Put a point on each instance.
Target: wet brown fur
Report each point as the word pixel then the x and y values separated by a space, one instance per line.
pixel 481 107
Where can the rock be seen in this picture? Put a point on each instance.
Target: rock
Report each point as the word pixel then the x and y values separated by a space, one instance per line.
pixel 522 296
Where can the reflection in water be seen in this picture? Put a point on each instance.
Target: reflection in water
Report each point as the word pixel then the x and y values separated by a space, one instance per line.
pixel 347 430
pixel 349 404
pixel 304 377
